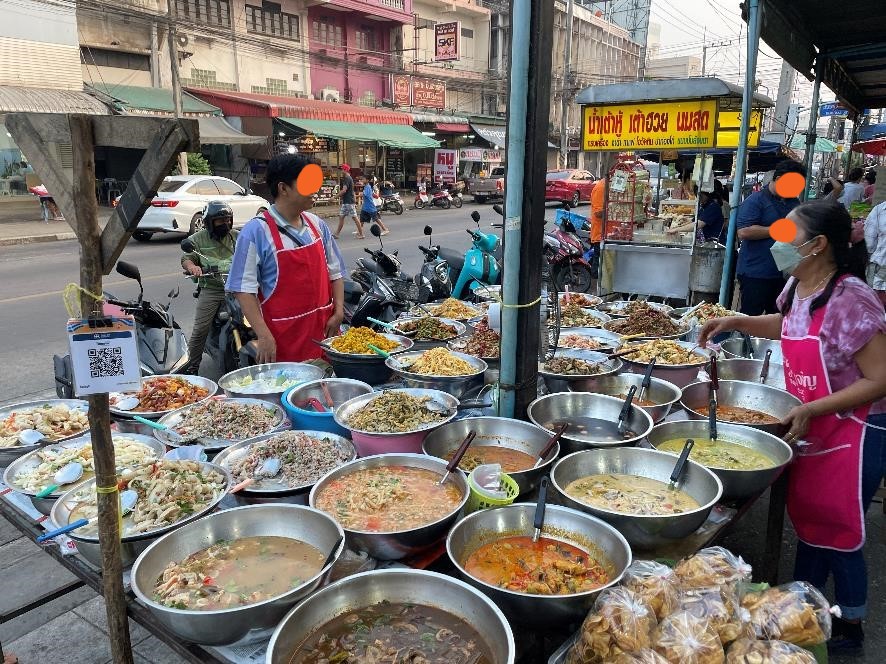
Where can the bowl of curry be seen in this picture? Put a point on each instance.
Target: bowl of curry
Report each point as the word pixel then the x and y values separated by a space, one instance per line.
pixel 754 405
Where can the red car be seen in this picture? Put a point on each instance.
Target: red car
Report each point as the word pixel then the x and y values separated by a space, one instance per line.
pixel 569 186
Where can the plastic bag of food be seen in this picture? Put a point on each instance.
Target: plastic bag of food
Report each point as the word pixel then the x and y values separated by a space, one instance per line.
pixel 719 606
pixel 643 656
pixel 714 566
pixel 681 638
pixel 654 583
pixel 795 612
pixel 620 623
pixel 751 651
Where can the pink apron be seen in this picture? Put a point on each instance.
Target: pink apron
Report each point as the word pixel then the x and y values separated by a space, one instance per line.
pixel 824 486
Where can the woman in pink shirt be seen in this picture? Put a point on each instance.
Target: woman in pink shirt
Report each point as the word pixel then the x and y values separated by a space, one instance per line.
pixel 833 338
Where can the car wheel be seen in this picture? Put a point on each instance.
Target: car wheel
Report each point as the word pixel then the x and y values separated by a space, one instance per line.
pixel 480 199
pixel 196 223
pixel 576 199
pixel 142 236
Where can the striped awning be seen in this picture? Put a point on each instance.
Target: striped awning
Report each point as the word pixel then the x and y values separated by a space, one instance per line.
pixel 20 99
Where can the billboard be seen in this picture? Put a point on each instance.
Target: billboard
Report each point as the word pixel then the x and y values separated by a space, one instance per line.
pixel 446 41
pixel 656 126
pixel 445 165
pixel 428 93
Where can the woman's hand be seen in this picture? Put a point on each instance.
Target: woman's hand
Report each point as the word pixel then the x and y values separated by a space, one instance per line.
pixel 333 325
pixel 798 420
pixel 266 349
pixel 716 326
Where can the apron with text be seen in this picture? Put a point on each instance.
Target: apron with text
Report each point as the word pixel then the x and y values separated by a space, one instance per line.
pixel 824 486
pixel 298 308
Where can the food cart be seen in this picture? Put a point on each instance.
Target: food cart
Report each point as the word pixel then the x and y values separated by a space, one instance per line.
pixel 691 115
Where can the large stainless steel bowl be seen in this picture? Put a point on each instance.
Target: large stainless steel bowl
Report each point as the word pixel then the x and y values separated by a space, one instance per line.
pixel 276 489
pixel 10 454
pixel 678 374
pixel 554 409
pixel 617 308
pixel 173 419
pixel 496 432
pixel 598 316
pixel 736 483
pixel 210 386
pixel 394 545
pixel 570 382
pixel 405 343
pixel 643 532
pixel 346 410
pixel 299 372
pixel 584 299
pixel 753 396
pixel 409 586
pixel 608 341
pixel 418 344
pixel 31 460
pixel 616 325
pixel 754 348
pixel 749 370
pixel 130 545
pixel 661 392
pixel 367 368
pixel 223 626
pixel 454 385
pixel 340 389
pixel 603 542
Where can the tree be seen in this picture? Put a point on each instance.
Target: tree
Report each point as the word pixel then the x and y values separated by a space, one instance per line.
pixel 197 165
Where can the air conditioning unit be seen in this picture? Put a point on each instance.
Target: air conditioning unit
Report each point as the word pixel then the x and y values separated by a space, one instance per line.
pixel 330 94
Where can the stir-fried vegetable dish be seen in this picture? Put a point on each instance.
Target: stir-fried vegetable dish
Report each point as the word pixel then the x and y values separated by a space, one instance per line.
pixel 357 339
pixel 582 342
pixel 665 351
pixel 706 312
pixel 572 315
pixel 510 460
pixel 485 342
pixel 237 573
pixel 388 498
pixel 573 366
pixel 393 412
pixel 53 421
pixel 161 393
pixel 630 494
pixel 645 321
pixel 545 567
pixel 303 459
pixel 720 454
pixel 224 419
pixel 428 329
pixel 454 309
pixel 439 362
pixel 390 632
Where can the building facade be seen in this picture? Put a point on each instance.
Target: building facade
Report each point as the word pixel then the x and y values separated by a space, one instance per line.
pixel 682 66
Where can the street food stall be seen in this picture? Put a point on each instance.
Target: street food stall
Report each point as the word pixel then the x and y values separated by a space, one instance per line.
pixel 674 117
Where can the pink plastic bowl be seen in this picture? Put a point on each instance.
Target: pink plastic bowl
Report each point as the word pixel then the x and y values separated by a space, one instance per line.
pixel 370 444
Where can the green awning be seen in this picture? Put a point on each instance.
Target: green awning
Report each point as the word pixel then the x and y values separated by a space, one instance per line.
pixel 138 99
pixel 821 144
pixel 394 136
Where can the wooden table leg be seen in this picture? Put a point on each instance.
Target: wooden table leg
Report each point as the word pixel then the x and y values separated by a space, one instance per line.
pixel 774 529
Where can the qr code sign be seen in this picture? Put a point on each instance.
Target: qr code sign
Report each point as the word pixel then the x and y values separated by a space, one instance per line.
pixel 105 362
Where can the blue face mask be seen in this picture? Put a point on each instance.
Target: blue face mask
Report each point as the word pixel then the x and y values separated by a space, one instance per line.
pixel 787 256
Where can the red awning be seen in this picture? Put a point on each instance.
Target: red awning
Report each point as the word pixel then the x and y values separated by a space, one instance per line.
pixel 452 128
pixel 249 104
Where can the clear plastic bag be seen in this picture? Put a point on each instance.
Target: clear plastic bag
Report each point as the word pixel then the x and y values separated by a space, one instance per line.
pixel 719 606
pixel 681 638
pixel 714 566
pixel 751 651
pixel 795 612
pixel 620 623
pixel 654 583
pixel 644 656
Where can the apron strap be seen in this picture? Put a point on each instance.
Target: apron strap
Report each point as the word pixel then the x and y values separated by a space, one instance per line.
pixel 818 317
pixel 306 220
pixel 275 234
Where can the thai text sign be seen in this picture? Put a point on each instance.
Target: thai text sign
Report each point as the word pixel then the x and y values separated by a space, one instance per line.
pixel 445 165
pixel 671 125
pixel 402 90
pixel 446 38
pixel 428 93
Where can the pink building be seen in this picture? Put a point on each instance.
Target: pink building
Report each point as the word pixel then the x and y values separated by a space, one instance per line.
pixel 354 46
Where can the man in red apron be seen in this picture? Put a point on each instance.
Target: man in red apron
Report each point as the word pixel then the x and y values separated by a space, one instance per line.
pixel 287 271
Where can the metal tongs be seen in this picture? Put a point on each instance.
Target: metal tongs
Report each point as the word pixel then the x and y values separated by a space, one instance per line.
pixel 626 409
pixel 647 380
pixel 764 372
pixel 539 521
pixel 712 404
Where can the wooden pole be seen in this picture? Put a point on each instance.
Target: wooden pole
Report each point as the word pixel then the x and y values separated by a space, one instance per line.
pixel 89 236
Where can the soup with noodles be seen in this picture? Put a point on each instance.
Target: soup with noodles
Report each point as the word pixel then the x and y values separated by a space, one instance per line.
pixel 630 494
pixel 236 573
pixel 720 454
pixel 388 499
pixel 511 461
pixel 392 632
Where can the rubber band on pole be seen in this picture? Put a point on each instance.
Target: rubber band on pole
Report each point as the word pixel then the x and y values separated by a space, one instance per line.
pixel 69 297
pixel 517 306
pixel 106 490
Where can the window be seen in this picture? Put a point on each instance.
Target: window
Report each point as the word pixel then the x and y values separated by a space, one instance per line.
pixel 227 188
pixel 213 12
pixel 205 188
pixel 100 57
pixel 327 31
pixel 270 20
pixel 366 39
pixel 467 33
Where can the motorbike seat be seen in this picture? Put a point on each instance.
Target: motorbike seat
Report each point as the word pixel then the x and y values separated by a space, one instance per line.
pixel 455 259
pixel 353 291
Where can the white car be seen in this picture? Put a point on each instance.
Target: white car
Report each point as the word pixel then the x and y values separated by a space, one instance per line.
pixel 181 199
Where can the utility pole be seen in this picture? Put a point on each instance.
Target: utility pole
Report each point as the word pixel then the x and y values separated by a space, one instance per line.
pixel 566 91
pixel 783 99
pixel 172 42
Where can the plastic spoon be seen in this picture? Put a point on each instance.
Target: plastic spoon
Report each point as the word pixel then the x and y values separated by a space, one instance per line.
pixel 626 409
pixel 269 468
pixel 558 433
pixel 391 328
pixel 30 436
pixel 456 458
pixel 712 404
pixel 174 435
pixel 647 380
pixel 539 521
pixel 764 372
pixel 127 403
pixel 681 465
pixel 128 499
pixel 70 472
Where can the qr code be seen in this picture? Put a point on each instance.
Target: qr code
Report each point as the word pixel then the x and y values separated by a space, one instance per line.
pixel 105 362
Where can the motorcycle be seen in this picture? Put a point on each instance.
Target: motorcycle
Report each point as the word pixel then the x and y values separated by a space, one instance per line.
pixel 480 265
pixel 434 274
pixel 439 198
pixel 568 260
pixel 390 200
pixel 386 289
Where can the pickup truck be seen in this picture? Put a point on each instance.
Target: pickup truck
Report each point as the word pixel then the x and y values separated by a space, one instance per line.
pixel 491 186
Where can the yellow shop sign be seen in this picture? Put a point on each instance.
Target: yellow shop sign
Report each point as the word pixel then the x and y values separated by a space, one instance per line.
pixel 664 126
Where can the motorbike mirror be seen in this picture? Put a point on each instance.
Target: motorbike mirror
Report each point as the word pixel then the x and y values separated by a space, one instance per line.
pixel 187 246
pixel 567 206
pixel 129 271
pixel 173 293
pixel 375 230
pixel 428 230
pixel 498 209
pixel 568 226
pixel 475 216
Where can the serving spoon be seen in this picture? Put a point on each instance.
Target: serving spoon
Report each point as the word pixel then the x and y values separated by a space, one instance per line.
pixel 67 474
pixel 558 433
pixel 459 453
pixel 127 403
pixel 539 521
pixel 30 437
pixel 128 499
pixel 680 466
pixel 764 372
pixel 268 469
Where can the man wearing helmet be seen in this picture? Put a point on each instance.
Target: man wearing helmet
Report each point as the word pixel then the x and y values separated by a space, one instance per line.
pixel 213 252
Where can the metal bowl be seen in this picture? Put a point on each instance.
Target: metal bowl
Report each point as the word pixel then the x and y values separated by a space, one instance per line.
pixel 418 344
pixel 367 368
pixel 756 349
pixel 458 345
pixel 430 306
pixel 616 308
pixel 643 532
pixel 736 483
pixel 612 326
pixel 590 301
pixel 224 626
pixel 749 370
pixel 610 340
pixel 10 454
pixel 454 385
pixel 172 420
pixel 273 489
pixel 410 586
pixel 754 396
pixel 348 408
pixel 596 537
pixel 405 344
pixel 130 545
pixel 574 382
pixel 340 389
pixel 600 317
pixel 663 393
pixel 394 545
pixel 300 372
pixel 31 461
pixel 548 411
pixel 677 374
pixel 199 381
pixel 496 432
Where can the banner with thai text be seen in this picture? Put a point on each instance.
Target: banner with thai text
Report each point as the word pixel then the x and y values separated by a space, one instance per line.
pixel 657 126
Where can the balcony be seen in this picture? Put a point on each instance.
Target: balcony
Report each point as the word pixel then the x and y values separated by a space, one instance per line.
pixel 397 11
pixel 460 6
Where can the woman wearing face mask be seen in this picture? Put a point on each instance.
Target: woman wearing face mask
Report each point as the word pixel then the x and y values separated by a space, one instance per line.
pixel 833 339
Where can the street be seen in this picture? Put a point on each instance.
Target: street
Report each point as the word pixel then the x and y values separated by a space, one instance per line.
pixel 32 277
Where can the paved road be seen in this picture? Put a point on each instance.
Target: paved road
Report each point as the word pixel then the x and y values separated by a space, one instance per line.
pixel 32 278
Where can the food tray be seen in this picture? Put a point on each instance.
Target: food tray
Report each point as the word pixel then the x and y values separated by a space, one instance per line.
pixel 10 454
pixel 151 415
pixel 344 411
pixel 405 344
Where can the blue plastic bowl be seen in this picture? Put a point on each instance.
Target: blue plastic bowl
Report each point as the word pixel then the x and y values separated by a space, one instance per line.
pixel 311 420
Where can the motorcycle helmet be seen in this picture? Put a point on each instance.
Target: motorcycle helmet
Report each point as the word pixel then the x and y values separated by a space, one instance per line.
pixel 218 218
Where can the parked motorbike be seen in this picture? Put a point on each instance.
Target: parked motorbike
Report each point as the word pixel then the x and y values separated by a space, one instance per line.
pixel 439 198
pixel 480 265
pixel 568 259
pixel 434 274
pixel 390 200
pixel 386 290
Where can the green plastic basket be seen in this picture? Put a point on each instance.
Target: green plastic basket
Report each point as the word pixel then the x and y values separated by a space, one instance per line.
pixel 478 501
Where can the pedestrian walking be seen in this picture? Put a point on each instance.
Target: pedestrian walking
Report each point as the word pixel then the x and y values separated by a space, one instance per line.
pixel 369 211
pixel 348 202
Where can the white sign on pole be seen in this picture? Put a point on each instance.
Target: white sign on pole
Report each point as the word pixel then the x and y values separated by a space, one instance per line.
pixel 445 165
pixel 104 354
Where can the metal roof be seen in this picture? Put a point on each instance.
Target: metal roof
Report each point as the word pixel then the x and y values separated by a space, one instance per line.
pixel 850 39
pixel 136 100
pixel 20 99
pixel 216 131
pixel 396 136
pixel 671 89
